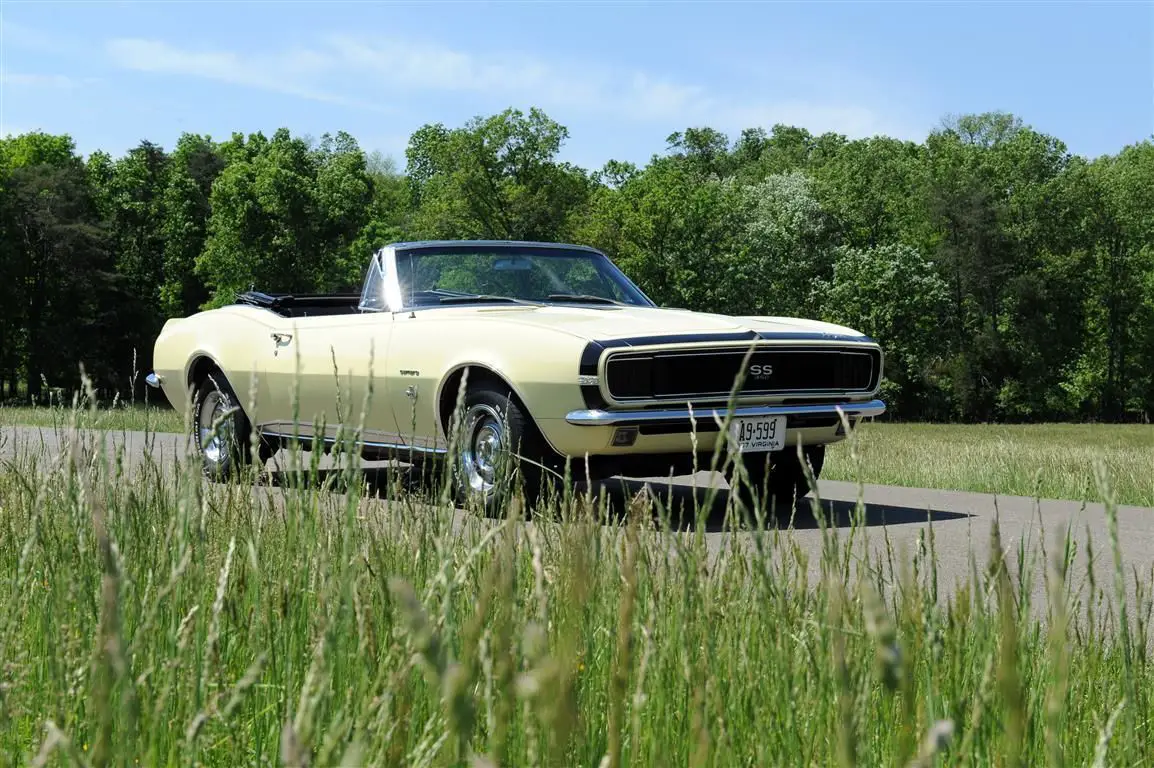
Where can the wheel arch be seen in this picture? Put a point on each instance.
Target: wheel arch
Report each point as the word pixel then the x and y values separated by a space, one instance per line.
pixel 449 388
pixel 201 364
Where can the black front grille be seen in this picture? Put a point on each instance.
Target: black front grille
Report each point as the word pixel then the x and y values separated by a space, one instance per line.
pixel 712 373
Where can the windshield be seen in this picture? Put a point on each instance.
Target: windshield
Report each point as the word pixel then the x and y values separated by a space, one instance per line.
pixel 471 273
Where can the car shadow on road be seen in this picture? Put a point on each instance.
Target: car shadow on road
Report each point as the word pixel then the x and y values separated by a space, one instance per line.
pixel 682 505
pixel 678 505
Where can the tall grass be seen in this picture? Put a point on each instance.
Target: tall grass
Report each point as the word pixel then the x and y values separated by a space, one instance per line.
pixel 151 618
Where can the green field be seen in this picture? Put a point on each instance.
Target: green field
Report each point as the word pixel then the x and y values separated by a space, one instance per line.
pixel 1053 461
pixel 155 619
pixel 1050 460
pixel 123 418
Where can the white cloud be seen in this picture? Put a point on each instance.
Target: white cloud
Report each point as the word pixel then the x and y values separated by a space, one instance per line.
pixel 579 86
pixel 27 80
pixel 393 68
pixel 415 66
pixel 409 66
pixel 288 73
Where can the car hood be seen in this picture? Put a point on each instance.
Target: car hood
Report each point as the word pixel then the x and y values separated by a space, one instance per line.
pixel 608 323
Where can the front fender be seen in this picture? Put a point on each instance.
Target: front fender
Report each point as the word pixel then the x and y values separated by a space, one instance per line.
pixel 428 352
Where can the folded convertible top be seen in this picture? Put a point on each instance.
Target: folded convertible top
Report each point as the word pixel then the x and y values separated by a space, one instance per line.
pixel 301 304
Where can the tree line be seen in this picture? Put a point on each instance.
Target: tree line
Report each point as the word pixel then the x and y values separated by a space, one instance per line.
pixel 1007 278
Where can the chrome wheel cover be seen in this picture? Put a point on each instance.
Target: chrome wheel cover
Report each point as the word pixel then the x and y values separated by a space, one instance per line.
pixel 214 447
pixel 483 448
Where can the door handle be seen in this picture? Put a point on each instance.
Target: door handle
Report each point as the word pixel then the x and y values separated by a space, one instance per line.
pixel 282 338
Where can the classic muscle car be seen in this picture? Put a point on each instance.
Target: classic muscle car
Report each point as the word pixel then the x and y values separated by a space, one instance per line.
pixel 542 353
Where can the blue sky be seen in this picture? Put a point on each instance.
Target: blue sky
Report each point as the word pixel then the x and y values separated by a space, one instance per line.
pixel 621 76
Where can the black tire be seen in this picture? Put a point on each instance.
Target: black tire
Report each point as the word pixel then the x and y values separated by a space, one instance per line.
pixel 777 480
pixel 226 451
pixel 499 452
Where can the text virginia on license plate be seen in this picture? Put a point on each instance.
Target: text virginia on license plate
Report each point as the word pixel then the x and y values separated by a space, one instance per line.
pixel 760 433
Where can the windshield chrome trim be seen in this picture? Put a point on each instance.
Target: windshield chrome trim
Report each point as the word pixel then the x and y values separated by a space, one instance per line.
pixel 386 259
pixel 417 245
pixel 393 298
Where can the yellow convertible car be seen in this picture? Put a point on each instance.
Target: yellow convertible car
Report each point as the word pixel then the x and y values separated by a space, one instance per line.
pixel 543 356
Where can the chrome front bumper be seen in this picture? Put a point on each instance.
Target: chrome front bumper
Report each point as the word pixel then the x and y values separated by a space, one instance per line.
pixel 600 418
pixel 152 380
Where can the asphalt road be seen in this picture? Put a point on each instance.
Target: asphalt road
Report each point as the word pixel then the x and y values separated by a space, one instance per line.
pixel 894 516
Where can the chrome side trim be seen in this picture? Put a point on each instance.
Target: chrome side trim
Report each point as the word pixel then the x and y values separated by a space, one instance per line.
pixel 365 443
pixel 152 380
pixel 602 418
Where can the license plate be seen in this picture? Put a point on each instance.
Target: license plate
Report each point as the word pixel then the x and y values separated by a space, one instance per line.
pixel 760 433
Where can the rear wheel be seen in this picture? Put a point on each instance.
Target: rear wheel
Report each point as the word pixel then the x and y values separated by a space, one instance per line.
pixel 776 481
pixel 221 430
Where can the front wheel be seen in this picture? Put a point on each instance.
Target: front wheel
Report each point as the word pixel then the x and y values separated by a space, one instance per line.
pixel 498 445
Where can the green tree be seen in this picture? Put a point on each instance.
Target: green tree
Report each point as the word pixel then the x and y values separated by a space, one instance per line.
pixel 986 176
pixel 870 187
pixel 389 213
pixel 38 148
pixel 11 336
pixel 894 294
pixel 788 246
pixel 672 232
pixel 101 168
pixel 496 177
pixel 284 216
pixel 195 165
pixel 345 193
pixel 136 192
pixel 784 149
pixel 62 277
pixel 1114 370
pixel 704 151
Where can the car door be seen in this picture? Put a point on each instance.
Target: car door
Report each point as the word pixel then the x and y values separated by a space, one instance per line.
pixel 318 374
pixel 415 371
